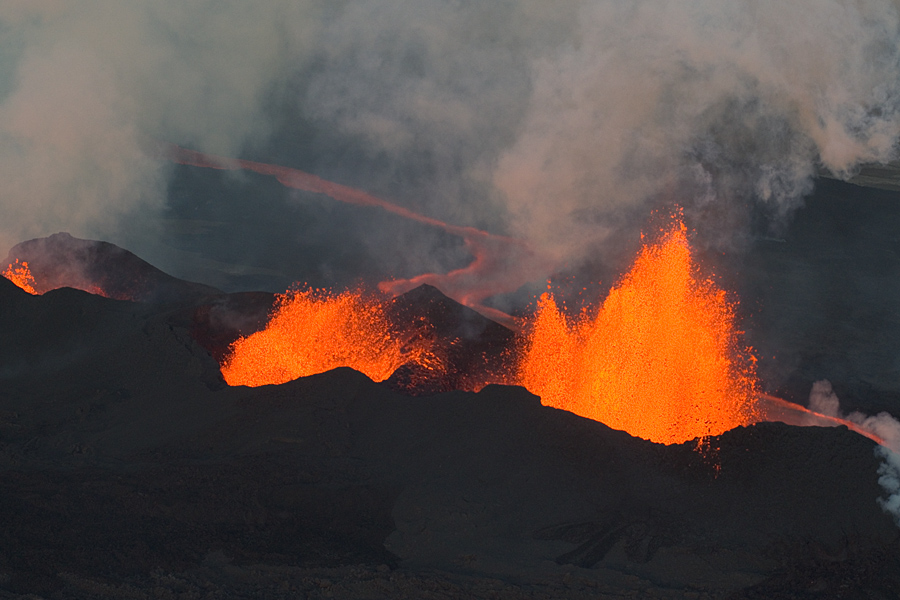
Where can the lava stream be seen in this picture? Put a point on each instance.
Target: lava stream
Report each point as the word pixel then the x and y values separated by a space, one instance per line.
pixel 661 359
pixel 499 264
pixel 313 331
pixel 773 408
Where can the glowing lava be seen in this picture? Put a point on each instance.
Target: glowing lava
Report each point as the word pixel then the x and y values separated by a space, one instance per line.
pixel 661 359
pixel 313 331
pixel 20 274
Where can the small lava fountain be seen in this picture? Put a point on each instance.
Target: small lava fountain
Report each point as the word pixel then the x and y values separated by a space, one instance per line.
pixel 20 274
pixel 661 359
pixel 313 331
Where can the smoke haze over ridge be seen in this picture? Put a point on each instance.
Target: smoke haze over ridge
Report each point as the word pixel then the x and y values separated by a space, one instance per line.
pixel 561 124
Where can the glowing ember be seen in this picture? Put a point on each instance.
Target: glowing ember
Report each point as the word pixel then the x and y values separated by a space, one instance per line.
pixel 313 331
pixel 20 274
pixel 661 359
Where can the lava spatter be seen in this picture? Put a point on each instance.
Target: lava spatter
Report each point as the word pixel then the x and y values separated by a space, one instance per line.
pixel 20 274
pixel 660 359
pixel 313 331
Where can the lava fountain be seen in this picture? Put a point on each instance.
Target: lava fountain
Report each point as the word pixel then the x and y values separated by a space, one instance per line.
pixel 20 274
pixel 661 359
pixel 313 331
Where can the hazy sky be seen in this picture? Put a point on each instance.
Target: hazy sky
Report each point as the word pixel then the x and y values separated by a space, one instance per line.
pixel 560 123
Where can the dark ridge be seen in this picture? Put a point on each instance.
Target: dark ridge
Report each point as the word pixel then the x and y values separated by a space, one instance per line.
pixel 61 260
pixel 10 292
pixel 474 349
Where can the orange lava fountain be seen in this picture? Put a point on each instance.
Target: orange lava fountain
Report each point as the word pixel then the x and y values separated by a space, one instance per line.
pixel 313 331
pixel 20 274
pixel 661 359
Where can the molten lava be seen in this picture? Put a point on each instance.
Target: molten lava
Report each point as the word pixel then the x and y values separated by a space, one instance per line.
pixel 20 274
pixel 313 331
pixel 661 359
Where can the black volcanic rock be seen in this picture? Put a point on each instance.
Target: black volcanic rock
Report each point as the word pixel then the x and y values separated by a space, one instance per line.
pixel 124 474
pixel 474 349
pixel 61 260
pixel 218 323
pixel 446 317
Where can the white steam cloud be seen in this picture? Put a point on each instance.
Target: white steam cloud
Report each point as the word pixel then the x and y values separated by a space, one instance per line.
pixel 703 101
pixel 88 88
pixel 823 400
pixel 559 122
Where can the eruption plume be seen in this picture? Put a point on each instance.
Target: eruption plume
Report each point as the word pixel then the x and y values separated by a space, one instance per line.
pixel 562 122
pixel 661 359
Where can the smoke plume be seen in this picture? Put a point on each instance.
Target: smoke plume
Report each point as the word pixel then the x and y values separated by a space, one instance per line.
pixel 823 400
pixel 708 103
pixel 87 88
pixel 558 123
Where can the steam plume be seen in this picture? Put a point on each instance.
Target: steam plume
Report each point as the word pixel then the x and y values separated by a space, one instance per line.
pixel 823 400
pixel 717 103
pixel 85 86
pixel 557 123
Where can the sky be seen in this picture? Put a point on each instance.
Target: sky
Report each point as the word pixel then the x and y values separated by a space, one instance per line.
pixel 559 124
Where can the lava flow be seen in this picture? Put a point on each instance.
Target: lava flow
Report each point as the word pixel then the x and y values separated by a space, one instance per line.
pixel 661 359
pixel 499 263
pixel 20 274
pixel 313 331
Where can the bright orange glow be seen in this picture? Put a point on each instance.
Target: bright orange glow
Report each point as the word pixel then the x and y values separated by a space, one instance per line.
pixel 20 274
pixel 661 359
pixel 313 331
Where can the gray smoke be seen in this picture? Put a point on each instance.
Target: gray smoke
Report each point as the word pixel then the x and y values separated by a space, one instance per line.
pixel 561 122
pixel 823 400
pixel 88 88
pixel 705 102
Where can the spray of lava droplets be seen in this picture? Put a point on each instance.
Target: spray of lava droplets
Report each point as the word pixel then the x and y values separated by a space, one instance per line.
pixel 313 331
pixel 20 274
pixel 661 359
